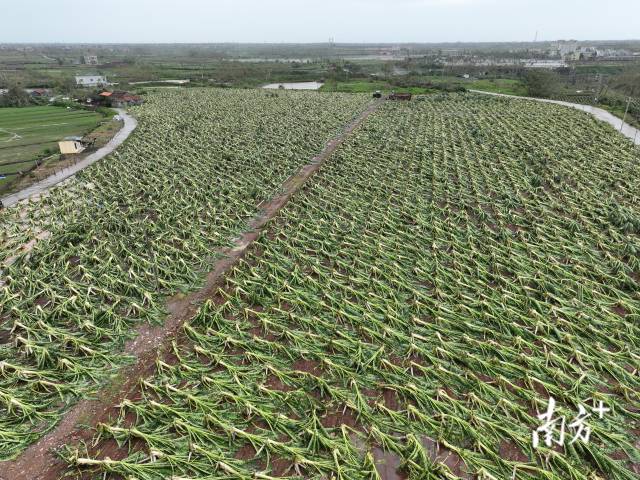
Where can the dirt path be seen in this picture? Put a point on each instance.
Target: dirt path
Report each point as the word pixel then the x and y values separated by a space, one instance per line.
pixel 130 124
pixel 39 461
pixel 624 128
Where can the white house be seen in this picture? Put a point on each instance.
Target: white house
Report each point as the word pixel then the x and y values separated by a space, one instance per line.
pixel 90 59
pixel 91 80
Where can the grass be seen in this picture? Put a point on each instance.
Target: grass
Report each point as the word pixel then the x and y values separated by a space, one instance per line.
pixel 364 86
pixel 620 113
pixel 27 134
pixel 507 86
pixel 498 85
pixel 104 132
pixel 356 86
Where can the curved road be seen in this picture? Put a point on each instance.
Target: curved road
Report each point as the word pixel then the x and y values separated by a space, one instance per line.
pixel 130 124
pixel 627 130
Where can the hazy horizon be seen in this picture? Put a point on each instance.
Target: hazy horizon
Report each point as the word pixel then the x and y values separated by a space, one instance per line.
pixel 488 42
pixel 346 21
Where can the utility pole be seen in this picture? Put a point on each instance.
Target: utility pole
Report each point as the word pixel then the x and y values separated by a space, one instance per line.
pixel 625 113
pixel 598 90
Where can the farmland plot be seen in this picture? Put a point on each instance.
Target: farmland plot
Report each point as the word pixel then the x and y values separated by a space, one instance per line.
pixel 455 263
pixel 103 252
pixel 25 134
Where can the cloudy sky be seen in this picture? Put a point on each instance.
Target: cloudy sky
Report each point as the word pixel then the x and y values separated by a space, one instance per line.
pixel 307 21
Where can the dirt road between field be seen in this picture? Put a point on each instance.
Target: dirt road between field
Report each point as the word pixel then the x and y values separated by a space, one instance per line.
pixel 624 128
pixel 130 124
pixel 39 461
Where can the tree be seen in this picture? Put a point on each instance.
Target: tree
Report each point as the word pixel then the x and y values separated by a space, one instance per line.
pixel 627 83
pixel 387 69
pixel 540 83
pixel 15 97
pixel 65 84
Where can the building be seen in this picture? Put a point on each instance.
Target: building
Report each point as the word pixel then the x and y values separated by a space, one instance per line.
pixel 573 52
pixel 71 145
pixel 548 64
pixel 120 99
pixel 38 92
pixel 90 60
pixel 91 80
pixel 583 53
pixel 564 48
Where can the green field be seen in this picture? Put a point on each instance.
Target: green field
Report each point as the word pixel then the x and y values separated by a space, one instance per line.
pixel 27 133
pixel 364 86
pixel 498 85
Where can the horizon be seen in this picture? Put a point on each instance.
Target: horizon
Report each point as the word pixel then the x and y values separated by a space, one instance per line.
pixel 485 42
pixel 347 21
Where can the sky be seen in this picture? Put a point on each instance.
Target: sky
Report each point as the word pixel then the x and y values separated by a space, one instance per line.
pixel 304 21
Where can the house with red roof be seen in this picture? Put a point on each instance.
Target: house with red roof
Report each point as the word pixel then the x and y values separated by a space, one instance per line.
pixel 120 99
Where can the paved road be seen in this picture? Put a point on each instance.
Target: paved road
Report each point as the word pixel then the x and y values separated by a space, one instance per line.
pixel 627 130
pixel 130 124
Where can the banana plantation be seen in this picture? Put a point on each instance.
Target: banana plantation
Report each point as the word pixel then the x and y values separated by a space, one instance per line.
pixel 82 266
pixel 409 314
